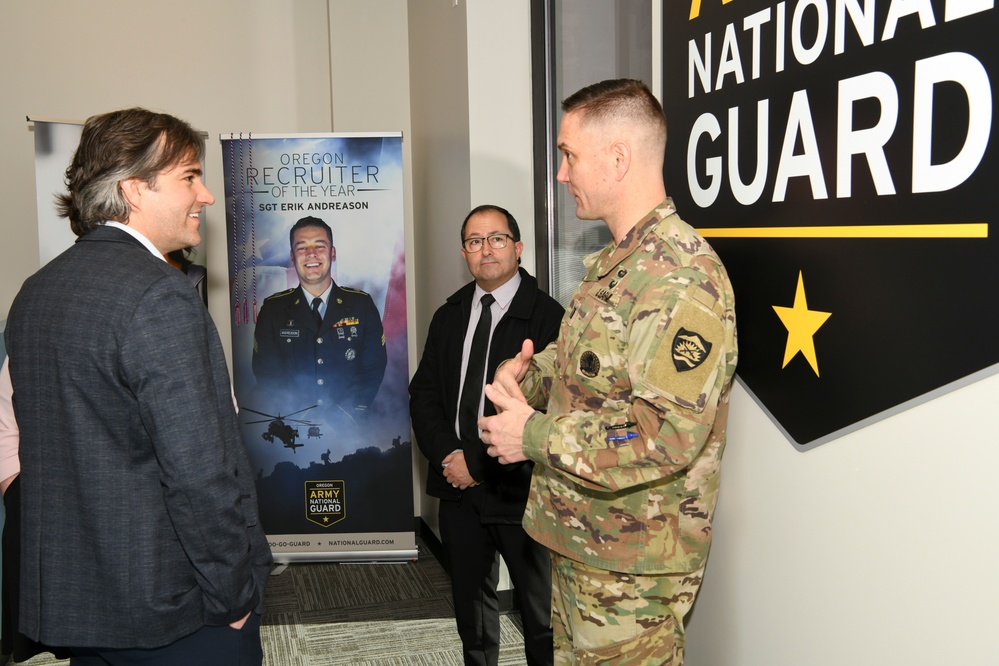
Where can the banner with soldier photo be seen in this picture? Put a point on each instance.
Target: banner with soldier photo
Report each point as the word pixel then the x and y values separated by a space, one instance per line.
pixel 320 357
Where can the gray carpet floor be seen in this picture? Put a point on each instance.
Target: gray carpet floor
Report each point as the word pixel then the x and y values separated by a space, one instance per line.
pixel 322 614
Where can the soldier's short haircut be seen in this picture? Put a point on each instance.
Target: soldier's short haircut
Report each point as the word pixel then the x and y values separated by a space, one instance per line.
pixel 619 99
pixel 116 146
pixel 309 221
pixel 511 222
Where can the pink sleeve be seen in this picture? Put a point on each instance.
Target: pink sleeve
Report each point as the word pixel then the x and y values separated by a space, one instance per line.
pixel 9 434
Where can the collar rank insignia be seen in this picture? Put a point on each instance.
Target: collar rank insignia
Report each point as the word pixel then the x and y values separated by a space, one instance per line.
pixel 689 350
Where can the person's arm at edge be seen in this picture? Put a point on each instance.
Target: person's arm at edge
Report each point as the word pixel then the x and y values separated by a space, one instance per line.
pixel 10 465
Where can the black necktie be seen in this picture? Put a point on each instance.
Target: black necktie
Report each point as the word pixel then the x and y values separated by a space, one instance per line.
pixel 316 303
pixel 471 391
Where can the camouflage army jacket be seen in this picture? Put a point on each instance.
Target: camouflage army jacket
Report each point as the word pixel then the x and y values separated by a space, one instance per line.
pixel 636 389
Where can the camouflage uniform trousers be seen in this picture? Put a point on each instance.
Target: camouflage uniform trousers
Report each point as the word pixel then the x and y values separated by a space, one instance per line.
pixel 606 617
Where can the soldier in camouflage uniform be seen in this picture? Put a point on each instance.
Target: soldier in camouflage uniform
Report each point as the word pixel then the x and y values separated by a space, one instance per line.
pixel 636 390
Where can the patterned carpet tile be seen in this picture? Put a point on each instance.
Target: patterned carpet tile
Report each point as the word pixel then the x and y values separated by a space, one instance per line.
pixel 364 614
pixel 405 610
pixel 399 642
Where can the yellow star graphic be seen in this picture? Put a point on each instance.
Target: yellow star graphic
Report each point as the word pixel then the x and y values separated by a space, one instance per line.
pixel 801 324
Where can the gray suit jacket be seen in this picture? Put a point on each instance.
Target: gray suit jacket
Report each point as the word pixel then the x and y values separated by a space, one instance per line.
pixel 139 507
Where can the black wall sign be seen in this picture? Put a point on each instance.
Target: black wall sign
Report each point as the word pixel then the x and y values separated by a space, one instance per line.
pixel 840 156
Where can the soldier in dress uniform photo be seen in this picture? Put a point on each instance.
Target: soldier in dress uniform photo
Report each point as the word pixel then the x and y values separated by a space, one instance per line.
pixel 318 348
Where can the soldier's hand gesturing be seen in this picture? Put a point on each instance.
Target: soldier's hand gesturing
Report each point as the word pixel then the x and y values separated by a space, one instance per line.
pixel 504 433
pixel 510 372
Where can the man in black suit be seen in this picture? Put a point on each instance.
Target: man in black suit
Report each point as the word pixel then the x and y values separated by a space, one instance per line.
pixel 482 502
pixel 319 343
pixel 140 537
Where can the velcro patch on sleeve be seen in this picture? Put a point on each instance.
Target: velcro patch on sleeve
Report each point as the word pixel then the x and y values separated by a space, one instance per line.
pixel 685 363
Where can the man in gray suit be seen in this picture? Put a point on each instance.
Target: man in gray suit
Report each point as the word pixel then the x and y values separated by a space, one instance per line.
pixel 140 538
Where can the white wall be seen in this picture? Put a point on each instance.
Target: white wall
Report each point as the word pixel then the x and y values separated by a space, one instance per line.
pixel 500 114
pixel 877 548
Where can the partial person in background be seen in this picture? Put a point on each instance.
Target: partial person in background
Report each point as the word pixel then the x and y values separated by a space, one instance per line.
pixel 636 388
pixel 482 502
pixel 196 273
pixel 141 542
pixel 15 644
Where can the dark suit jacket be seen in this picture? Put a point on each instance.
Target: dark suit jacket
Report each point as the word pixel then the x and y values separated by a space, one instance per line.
pixel 342 360
pixel 433 393
pixel 139 512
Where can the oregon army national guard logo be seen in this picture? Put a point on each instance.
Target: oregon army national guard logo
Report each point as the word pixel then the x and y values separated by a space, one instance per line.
pixel 325 502
pixel 684 368
pixel 689 350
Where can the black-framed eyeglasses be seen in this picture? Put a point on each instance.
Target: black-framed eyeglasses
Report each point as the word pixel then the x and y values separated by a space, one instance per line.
pixel 496 242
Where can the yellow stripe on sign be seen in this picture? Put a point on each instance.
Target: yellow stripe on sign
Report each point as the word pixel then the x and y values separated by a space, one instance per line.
pixel 695 8
pixel 969 230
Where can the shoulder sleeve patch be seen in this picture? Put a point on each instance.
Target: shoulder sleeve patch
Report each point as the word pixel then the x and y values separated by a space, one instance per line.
pixel 686 360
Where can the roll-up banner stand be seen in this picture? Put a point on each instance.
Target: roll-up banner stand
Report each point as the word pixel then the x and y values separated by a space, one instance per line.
pixel 323 404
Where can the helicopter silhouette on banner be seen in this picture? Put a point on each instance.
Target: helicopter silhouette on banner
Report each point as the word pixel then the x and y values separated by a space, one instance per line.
pixel 280 428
